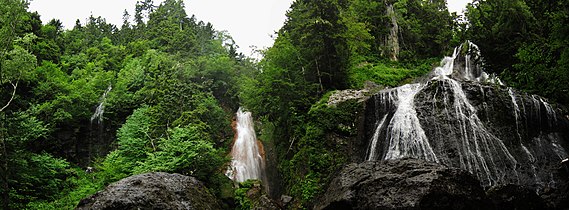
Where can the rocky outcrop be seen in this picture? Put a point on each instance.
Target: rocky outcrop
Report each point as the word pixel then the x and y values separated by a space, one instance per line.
pixel 528 134
pixel 515 197
pixel 153 191
pixel 463 118
pixel 465 126
pixel 403 184
pixel 345 95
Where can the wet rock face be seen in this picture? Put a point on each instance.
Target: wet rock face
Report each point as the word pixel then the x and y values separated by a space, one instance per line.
pixel 403 184
pixel 519 136
pixel 153 191
pixel 460 117
pixel 500 135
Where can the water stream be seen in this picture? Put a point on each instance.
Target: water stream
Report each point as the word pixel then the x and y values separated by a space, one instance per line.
pixel 247 153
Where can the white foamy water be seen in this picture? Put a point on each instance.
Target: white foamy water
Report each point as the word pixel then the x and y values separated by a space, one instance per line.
pixel 247 158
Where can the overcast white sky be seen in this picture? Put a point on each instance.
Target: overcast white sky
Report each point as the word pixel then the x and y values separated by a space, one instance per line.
pixel 250 22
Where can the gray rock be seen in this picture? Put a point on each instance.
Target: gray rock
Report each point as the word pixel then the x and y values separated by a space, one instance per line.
pixel 344 95
pixel 153 191
pixel 511 137
pixel 403 184
pixel 285 200
pixel 515 197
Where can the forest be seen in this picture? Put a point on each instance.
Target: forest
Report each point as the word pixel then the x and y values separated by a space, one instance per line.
pixel 85 107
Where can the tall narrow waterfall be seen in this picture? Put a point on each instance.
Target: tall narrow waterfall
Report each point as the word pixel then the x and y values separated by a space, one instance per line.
pixel 463 117
pixel 97 141
pixel 98 115
pixel 247 152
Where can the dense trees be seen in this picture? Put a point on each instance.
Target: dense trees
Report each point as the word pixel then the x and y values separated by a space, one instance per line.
pixel 169 85
pixel 330 45
pixel 525 41
pixel 172 77
pixel 334 44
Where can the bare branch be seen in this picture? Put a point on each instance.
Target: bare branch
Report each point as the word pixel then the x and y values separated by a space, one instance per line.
pixel 11 98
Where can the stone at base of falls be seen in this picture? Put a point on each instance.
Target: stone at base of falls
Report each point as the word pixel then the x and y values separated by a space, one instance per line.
pixel 153 191
pixel 259 199
pixel 515 197
pixel 403 184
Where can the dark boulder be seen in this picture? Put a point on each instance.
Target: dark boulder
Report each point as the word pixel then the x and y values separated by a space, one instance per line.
pixel 153 191
pixel 515 197
pixel 403 184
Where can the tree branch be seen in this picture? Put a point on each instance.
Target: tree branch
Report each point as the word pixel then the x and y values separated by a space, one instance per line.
pixel 11 98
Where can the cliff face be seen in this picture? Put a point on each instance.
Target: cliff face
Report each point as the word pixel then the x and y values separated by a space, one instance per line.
pixel 517 138
pixel 462 118
pixel 497 133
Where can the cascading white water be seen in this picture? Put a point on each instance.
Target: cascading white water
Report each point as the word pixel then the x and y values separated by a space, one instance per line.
pixel 405 136
pixel 516 112
pixel 375 138
pixel 460 137
pixel 247 153
pixel 478 145
pixel 101 107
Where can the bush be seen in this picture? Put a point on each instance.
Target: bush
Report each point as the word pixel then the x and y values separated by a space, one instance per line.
pixel 388 73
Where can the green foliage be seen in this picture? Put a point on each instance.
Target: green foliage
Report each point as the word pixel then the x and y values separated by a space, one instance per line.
pixel 18 65
pixel 243 201
pixel 314 27
pixel 317 155
pixel 78 186
pixel 186 152
pixel 425 29
pixel 29 176
pixel 526 44
pixel 134 144
pixel 175 82
pixel 308 188
pixel 173 85
pixel 500 32
pixel 386 74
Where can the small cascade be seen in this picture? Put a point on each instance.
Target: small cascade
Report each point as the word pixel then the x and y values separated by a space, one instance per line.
pixel 459 118
pixel 247 154
pixel 403 134
pixel 97 138
pixel 516 112
pixel 406 137
pixel 98 115
pixel 372 154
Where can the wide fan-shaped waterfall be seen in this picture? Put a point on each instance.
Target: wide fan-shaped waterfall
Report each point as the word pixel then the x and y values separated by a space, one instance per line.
pixel 462 117
pixel 247 154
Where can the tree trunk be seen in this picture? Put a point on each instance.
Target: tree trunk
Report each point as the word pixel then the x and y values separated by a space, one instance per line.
pixel 319 76
pixel 392 41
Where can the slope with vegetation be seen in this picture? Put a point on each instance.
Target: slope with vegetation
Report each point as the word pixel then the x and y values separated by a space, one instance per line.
pixel 337 44
pixel 176 82
pixel 174 89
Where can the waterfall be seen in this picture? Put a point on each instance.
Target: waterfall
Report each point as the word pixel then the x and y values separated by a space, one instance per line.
pixel 96 134
pixel 372 154
pixel 406 137
pixel 247 153
pixel 101 107
pixel 437 121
